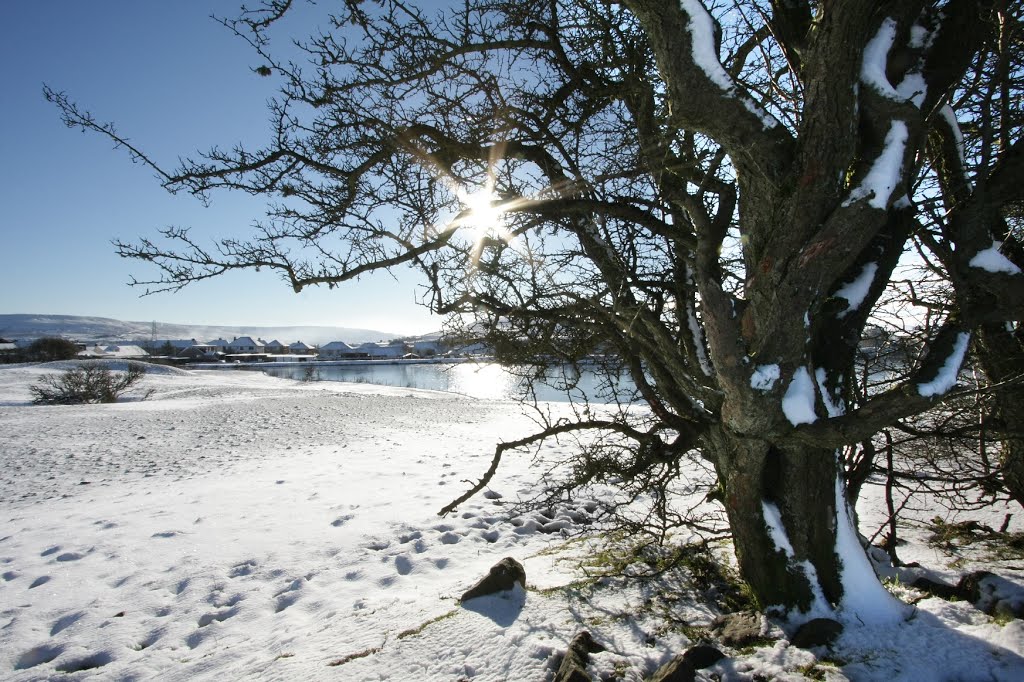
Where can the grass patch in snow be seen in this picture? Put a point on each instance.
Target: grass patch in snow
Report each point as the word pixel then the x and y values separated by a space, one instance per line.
pixel 952 537
pixel 411 632
pixel 359 654
pixel 680 588
pixel 823 669
pixel 693 569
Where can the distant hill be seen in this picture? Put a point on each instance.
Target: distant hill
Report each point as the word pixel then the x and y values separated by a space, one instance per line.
pixel 95 329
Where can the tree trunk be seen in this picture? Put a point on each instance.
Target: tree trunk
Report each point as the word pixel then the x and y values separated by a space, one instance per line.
pixel 776 497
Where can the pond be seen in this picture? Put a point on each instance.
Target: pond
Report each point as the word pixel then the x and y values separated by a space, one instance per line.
pixel 486 380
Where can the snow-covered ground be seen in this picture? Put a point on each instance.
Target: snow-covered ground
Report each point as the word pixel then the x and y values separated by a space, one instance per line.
pixel 237 526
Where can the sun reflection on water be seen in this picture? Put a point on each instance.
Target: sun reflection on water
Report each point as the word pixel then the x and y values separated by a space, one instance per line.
pixel 488 381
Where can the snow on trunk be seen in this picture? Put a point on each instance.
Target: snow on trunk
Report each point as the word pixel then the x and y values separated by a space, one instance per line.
pixel 833 408
pixel 865 600
pixel 798 403
pixel 884 175
pixel 698 340
pixel 777 532
pixel 764 377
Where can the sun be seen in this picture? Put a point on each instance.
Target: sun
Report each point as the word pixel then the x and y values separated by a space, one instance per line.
pixel 483 219
pixel 482 213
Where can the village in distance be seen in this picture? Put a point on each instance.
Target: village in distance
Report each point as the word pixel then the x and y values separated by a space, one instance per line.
pixel 113 339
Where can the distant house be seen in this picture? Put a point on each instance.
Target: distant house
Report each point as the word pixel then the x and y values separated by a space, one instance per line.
pixel 177 345
pixel 219 344
pixel 114 351
pixel 8 348
pixel 275 347
pixel 244 344
pixel 394 349
pixel 300 348
pixel 472 348
pixel 428 348
pixel 339 350
pixel 200 351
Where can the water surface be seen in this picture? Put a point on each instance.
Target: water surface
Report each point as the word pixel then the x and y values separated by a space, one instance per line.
pixel 486 380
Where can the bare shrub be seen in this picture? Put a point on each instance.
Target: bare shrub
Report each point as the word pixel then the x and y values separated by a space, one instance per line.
pixel 87 383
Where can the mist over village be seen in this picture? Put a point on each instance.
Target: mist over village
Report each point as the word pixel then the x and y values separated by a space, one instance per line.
pixel 555 340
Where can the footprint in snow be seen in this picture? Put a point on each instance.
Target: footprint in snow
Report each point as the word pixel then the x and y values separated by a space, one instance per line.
pixel 450 538
pixel 242 569
pixel 215 600
pixel 285 601
pixel 64 622
pixel 217 616
pixel 41 580
pixel 37 656
pixel 197 638
pixel 91 662
pixel 70 556
pixel 403 564
pixel 340 521
pixel 149 640
pixel 120 582
pixel 49 551
pixel 409 537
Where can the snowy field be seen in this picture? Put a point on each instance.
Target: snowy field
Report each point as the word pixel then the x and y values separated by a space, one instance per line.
pixel 236 526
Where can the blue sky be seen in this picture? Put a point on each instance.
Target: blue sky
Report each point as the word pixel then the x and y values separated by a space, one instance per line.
pixel 174 81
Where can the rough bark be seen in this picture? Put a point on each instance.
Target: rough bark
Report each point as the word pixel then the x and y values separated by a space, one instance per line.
pixel 800 483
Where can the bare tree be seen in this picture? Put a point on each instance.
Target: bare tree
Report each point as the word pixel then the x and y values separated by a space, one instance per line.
pixel 717 194
pixel 50 348
pixel 87 382
pixel 975 138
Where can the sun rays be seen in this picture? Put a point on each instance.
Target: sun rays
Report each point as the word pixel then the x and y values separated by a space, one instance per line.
pixel 483 207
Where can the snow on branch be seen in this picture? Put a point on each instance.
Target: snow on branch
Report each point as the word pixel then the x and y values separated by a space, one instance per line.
pixel 876 56
pixel 991 260
pixel 949 116
pixel 913 88
pixel 946 378
pixel 702 40
pixel 856 291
